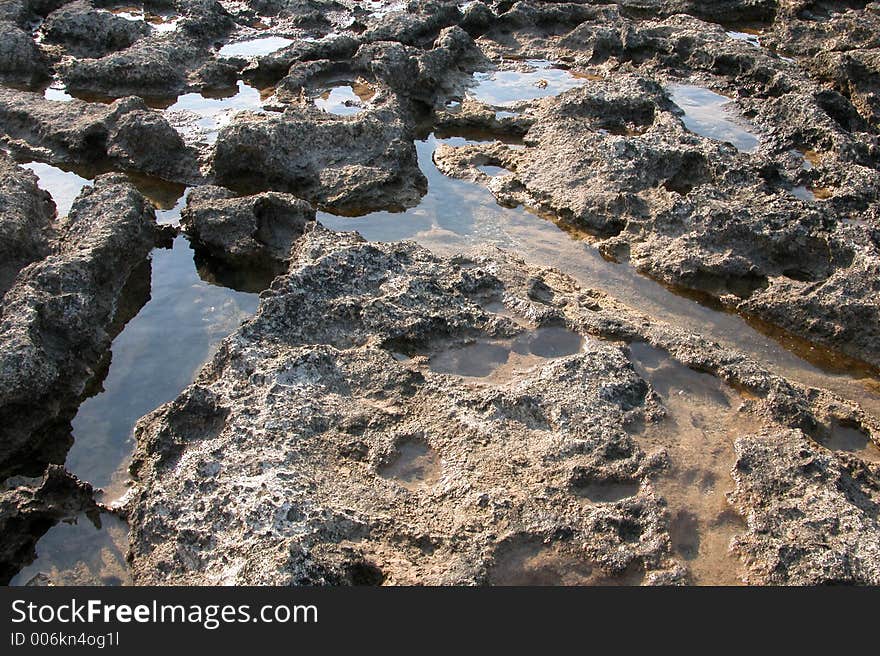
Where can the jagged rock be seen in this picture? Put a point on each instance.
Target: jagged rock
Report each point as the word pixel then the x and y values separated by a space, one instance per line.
pixel 86 32
pixel 26 215
pixel 58 319
pixel 21 61
pixel 376 423
pixel 250 232
pixel 125 132
pixel 812 515
pixel 353 164
pixel 28 508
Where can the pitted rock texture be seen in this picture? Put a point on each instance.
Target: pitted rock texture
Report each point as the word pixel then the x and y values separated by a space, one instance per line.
pixel 812 515
pixel 26 217
pixel 320 445
pixel 124 134
pixel 250 231
pixel 58 319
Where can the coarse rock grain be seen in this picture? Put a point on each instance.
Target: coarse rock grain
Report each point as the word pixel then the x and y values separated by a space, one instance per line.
pixel 58 319
pixel 125 134
pixel 26 217
pixel 321 446
pixel 84 31
pixel 351 164
pixel 29 507
pixel 21 61
pixel 812 515
pixel 246 232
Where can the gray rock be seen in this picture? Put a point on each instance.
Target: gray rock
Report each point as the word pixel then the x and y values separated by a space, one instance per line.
pixel 352 164
pixel 29 507
pixel 812 515
pixel 86 32
pixel 125 132
pixel 326 443
pixel 58 319
pixel 26 215
pixel 21 61
pixel 246 232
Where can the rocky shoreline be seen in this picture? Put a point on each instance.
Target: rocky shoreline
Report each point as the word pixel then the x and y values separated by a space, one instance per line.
pixel 391 415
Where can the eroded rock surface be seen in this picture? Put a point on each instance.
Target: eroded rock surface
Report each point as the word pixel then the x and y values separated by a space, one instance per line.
pixel 326 443
pixel 29 507
pixel 58 319
pixel 26 213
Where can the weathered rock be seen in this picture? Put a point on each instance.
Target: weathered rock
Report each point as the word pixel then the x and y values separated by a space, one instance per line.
pixel 352 164
pixel 812 515
pixel 250 232
pixel 613 157
pixel 86 32
pixel 125 133
pixel 58 319
pixel 312 450
pixel 29 508
pixel 21 61
pixel 26 214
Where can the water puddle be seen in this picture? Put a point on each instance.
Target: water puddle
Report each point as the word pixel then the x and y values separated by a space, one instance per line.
pixel 484 358
pixel 63 186
pixel 708 114
pixel 698 434
pixel 254 47
pixel 346 99
pixel 492 171
pixel 81 551
pixel 152 360
pixel 414 465
pixel 747 36
pixel 851 439
pixel 605 491
pixel 199 117
pixel 152 363
pixel 159 22
pixel 529 561
pixel 456 215
pixel 537 78
pixel 58 92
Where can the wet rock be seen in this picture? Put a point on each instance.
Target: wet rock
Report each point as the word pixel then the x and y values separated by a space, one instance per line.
pixel 156 66
pixel 86 32
pixel 26 215
pixel 417 74
pixel 21 61
pixel 321 447
pixel 812 515
pixel 615 159
pixel 125 133
pixel 28 508
pixel 58 319
pixel 245 231
pixel 353 164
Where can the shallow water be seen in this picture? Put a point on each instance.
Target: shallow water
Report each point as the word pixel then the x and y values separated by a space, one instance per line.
pixel 456 216
pixel 199 117
pixel 483 358
pixel 254 47
pixel 81 551
pixel 539 79
pixel 708 114
pixel 64 186
pixel 152 360
pixel 345 99
pixel 698 436
pixel 159 22
pixel 748 37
